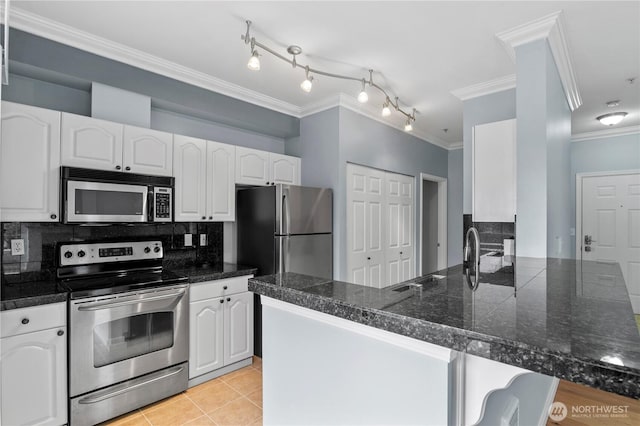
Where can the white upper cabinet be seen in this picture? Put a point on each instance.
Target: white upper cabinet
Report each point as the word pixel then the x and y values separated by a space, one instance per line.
pixel 255 167
pixel 221 176
pixel 29 164
pixel 91 143
pixel 494 172
pixel 284 169
pixel 190 171
pixel 98 144
pixel 252 166
pixel 148 152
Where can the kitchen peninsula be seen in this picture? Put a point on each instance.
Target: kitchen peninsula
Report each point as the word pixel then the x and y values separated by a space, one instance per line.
pixel 417 343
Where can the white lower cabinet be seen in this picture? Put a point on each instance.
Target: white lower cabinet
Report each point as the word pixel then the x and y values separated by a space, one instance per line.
pixel 33 366
pixel 220 324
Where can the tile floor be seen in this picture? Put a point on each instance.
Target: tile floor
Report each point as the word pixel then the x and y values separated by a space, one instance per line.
pixel 232 399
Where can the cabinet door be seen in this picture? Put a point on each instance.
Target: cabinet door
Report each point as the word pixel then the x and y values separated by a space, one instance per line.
pixel 34 378
pixel 29 164
pixel 91 143
pixel 190 171
pixel 206 319
pixel 284 169
pixel 494 172
pixel 252 166
pixel 147 152
pixel 221 182
pixel 238 327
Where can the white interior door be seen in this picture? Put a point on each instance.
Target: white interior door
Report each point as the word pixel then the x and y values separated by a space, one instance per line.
pixel 611 220
pixel 399 231
pixel 365 225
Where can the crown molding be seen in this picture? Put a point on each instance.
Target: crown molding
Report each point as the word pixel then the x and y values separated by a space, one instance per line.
pixel 551 28
pixel 35 24
pixel 485 88
pixel 456 145
pixel 606 133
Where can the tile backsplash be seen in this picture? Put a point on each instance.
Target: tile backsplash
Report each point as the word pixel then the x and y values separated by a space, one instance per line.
pixel 40 239
pixel 492 234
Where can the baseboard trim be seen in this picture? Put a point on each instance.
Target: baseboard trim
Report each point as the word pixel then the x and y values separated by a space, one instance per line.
pixel 220 372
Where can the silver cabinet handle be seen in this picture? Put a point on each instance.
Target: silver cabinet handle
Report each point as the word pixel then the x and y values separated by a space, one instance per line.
pixel 111 304
pixel 102 397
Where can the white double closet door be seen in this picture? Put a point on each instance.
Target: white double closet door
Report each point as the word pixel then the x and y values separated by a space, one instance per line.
pixel 380 227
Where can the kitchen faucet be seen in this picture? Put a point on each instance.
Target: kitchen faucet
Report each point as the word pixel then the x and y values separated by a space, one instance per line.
pixel 467 254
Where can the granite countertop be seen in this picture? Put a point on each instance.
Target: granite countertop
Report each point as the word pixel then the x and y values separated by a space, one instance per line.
pixel 210 272
pixel 33 293
pixel 557 317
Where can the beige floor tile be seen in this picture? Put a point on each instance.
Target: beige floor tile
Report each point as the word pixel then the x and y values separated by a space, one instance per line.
pixel 237 373
pixel 204 385
pixel 238 412
pixel 256 397
pixel 256 422
pixel 214 396
pixel 201 421
pixel 246 383
pixel 134 418
pixel 176 413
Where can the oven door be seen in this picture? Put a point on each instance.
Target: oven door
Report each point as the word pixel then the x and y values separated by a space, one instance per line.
pixel 105 202
pixel 119 337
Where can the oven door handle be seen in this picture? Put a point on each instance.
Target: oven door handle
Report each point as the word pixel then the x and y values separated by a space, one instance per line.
pixel 107 305
pixel 98 398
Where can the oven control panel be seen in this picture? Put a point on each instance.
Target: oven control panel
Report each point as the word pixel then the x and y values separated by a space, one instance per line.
pixel 89 253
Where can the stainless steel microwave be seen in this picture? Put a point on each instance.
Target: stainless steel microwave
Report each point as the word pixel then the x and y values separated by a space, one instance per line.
pixel 96 196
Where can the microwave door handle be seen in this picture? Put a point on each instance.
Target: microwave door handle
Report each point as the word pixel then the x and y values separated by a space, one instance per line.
pixel 151 204
pixel 108 305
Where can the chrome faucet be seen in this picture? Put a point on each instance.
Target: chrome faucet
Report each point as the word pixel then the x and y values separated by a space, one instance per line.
pixel 467 254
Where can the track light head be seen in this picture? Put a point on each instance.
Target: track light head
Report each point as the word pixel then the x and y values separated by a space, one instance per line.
pixel 254 61
pixel 307 84
pixel 385 109
pixel 408 127
pixel 362 96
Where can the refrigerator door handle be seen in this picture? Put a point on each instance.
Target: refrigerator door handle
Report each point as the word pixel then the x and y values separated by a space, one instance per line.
pixel 285 212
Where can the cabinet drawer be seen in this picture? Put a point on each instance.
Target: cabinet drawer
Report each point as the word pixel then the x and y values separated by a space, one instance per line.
pixel 34 318
pixel 218 288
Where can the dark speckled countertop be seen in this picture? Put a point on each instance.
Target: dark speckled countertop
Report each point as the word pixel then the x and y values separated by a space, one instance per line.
pixel 33 293
pixel 557 316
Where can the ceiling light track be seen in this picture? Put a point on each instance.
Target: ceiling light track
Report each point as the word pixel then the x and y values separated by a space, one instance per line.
pixel 306 85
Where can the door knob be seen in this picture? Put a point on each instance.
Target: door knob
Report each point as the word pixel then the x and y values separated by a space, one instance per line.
pixel 588 240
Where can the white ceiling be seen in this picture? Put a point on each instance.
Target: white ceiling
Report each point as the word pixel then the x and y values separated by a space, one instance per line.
pixel 421 50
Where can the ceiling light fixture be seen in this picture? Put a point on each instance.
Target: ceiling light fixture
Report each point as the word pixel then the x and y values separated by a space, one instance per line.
pixel 362 96
pixel 613 104
pixel 306 85
pixel 612 119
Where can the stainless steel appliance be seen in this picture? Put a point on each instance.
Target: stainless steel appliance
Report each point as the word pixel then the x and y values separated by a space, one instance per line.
pixel 105 196
pixel 284 228
pixel 128 328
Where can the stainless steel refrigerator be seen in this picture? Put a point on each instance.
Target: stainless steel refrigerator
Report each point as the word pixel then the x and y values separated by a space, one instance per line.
pixel 284 228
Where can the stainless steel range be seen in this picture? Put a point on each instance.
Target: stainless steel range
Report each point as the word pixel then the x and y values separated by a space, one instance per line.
pixel 128 328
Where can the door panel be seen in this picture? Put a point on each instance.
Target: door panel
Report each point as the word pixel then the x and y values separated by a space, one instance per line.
pixel 252 166
pixel 221 175
pixel 307 254
pixel 147 151
pixel 91 143
pixel 190 166
pixel 206 319
pixel 238 317
pixel 399 246
pixel 611 218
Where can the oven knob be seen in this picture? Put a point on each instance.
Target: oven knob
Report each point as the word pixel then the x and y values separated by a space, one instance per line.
pixel 156 249
pixel 81 253
pixel 147 249
pixel 68 254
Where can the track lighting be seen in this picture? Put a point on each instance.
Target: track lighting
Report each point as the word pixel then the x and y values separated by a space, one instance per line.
pixel 408 127
pixel 254 62
pixel 307 84
pixel 362 96
pixel 385 109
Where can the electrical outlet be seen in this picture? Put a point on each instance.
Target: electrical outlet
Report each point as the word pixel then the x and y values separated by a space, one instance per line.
pixel 17 247
pixel 203 240
pixel 188 240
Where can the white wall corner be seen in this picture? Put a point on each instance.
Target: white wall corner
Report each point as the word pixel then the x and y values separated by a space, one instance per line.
pixel 606 133
pixel 548 27
pixel 321 105
pixel 485 88
pixel 52 30
pixel 456 145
